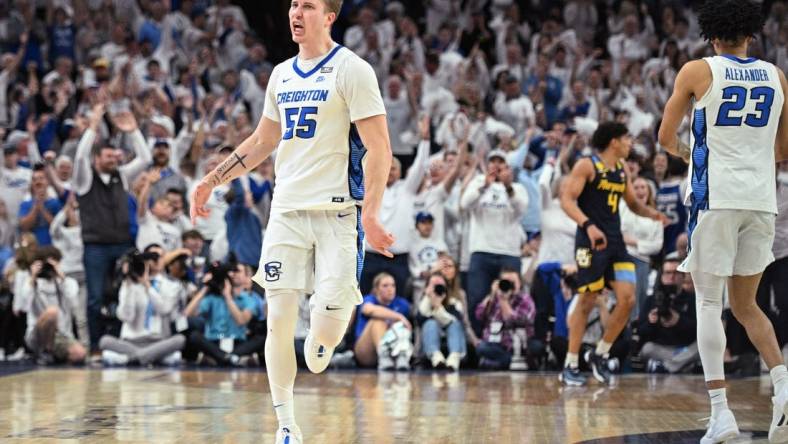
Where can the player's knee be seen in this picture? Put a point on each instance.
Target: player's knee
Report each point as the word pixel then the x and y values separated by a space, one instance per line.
pixel 587 302
pixel 743 309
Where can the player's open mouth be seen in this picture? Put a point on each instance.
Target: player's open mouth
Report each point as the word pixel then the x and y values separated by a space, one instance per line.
pixel 298 29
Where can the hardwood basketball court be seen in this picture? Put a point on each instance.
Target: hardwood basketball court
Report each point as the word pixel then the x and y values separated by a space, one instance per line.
pixel 205 406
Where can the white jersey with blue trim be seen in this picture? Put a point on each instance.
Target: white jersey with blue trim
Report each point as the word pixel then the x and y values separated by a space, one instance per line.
pixel 319 159
pixel 733 133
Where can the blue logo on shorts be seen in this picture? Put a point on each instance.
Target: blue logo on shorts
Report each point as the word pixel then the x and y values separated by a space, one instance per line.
pixel 272 271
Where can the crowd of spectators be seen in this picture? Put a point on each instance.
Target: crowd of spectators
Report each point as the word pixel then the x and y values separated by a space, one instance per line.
pixel 110 112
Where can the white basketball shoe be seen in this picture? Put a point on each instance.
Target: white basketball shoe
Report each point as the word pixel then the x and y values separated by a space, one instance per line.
pixel 778 432
pixel 289 435
pixel 721 428
pixel 317 356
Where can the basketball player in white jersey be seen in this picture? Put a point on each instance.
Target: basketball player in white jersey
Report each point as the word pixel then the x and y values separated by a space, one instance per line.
pixel 739 121
pixel 323 113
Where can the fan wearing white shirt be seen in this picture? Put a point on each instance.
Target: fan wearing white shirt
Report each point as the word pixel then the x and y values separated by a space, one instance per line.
pixel 424 252
pixel 495 203
pixel 155 226
pixel 643 238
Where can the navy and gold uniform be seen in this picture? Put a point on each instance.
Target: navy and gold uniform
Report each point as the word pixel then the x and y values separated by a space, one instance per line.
pixel 599 201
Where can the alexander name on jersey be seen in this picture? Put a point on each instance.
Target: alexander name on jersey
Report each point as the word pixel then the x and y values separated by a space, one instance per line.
pixel 747 75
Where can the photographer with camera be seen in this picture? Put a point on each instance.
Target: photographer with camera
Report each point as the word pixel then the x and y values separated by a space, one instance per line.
pixel 503 311
pixel 146 301
pixel 668 324
pixel 227 313
pixel 496 203
pixel 440 315
pixel 49 298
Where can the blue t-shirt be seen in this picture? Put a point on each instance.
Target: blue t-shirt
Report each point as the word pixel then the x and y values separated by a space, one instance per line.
pixel 400 305
pixel 219 322
pixel 41 227
pixel 62 40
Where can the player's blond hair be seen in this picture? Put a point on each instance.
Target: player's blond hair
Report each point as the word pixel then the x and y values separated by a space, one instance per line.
pixel 333 6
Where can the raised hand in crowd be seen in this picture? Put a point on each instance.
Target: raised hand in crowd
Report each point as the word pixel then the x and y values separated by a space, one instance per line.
pixel 124 121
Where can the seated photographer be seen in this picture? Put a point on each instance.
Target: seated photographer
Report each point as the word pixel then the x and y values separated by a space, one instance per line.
pixel 424 253
pixel 503 311
pixel 146 301
pixel 440 315
pixel 50 299
pixel 175 276
pixel 194 242
pixel 227 310
pixel 383 331
pixel 668 324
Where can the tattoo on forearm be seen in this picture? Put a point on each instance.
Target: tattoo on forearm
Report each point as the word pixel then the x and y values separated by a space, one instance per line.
pixel 225 168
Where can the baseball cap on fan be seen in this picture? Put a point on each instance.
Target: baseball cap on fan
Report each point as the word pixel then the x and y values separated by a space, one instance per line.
pixel 496 153
pixel 424 216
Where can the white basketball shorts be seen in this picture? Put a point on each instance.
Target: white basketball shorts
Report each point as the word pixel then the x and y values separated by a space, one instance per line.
pixel 315 251
pixel 731 243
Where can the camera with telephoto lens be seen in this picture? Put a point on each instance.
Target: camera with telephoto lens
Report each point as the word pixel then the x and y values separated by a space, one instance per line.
pixel 570 280
pixel 45 255
pixel 505 285
pixel 220 273
pixel 47 271
pixel 663 301
pixel 440 290
pixel 136 263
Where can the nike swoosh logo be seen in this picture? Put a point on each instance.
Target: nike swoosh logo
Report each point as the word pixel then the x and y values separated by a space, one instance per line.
pixel 285 80
pixel 330 308
pixel 344 215
pixel 276 406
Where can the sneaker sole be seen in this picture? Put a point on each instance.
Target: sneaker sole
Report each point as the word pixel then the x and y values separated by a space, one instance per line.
pixel 570 383
pixel 779 434
pixel 598 376
pixel 728 434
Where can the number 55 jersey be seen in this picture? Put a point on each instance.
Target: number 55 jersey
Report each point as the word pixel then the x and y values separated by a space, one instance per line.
pixel 319 159
pixel 734 126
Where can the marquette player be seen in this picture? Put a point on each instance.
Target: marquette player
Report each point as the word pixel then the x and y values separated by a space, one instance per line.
pixel 739 117
pixel 590 196
pixel 323 111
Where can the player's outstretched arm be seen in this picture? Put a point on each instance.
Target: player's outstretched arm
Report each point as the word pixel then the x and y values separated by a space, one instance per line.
pixel 246 157
pixel 692 74
pixel 374 134
pixel 781 144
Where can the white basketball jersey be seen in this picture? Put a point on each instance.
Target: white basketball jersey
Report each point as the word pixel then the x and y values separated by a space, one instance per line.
pixel 734 127
pixel 319 159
